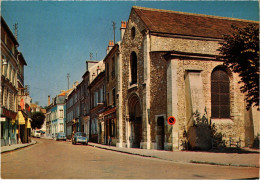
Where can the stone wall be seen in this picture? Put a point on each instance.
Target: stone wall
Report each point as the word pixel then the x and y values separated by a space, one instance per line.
pixel 128 46
pixel 158 90
pixel 152 86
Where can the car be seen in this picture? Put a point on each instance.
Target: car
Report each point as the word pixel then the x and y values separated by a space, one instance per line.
pixel 37 134
pixel 80 137
pixel 60 136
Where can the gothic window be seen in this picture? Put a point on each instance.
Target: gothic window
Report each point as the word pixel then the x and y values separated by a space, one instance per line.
pixel 133 63
pixel 133 32
pixel 220 94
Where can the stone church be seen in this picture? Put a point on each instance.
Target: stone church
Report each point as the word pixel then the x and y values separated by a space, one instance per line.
pixel 168 66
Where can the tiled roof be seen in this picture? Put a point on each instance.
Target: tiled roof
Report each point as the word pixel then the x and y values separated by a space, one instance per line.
pixel 187 24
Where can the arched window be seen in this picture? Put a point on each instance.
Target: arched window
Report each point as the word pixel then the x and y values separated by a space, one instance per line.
pixel 220 94
pixel 133 63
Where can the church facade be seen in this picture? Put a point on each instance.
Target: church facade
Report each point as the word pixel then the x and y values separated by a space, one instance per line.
pixel 169 67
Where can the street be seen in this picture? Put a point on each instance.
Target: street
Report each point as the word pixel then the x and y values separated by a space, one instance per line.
pixel 49 159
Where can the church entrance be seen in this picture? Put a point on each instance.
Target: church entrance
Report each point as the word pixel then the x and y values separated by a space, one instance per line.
pixel 135 115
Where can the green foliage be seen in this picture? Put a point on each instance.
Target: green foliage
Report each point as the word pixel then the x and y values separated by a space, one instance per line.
pixel 217 141
pixel 37 120
pixel 240 52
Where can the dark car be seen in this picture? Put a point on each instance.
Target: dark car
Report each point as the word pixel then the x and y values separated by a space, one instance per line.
pixel 60 136
pixel 80 137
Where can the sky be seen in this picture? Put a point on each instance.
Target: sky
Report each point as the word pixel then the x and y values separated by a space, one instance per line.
pixel 56 37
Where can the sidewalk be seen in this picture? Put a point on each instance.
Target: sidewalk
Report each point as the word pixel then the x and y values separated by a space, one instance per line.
pixel 244 159
pixel 16 146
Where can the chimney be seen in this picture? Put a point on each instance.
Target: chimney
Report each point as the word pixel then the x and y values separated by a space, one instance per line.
pixel 110 45
pixel 107 49
pixel 122 29
pixel 49 100
pixel 86 65
pixel 93 76
pixel 98 69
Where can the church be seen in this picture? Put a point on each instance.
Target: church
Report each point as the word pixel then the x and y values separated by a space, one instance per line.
pixel 168 67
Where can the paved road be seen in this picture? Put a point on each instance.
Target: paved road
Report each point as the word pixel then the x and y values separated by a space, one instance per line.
pixel 49 159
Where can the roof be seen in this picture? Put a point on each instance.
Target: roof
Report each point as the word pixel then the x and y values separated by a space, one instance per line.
pixel 64 93
pixel 93 69
pixel 4 24
pixel 187 24
pixel 21 58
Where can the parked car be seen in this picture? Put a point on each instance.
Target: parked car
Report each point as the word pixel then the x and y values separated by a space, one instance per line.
pixel 60 136
pixel 80 137
pixel 37 134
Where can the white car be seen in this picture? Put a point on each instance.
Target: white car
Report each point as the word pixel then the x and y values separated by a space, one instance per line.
pixel 37 134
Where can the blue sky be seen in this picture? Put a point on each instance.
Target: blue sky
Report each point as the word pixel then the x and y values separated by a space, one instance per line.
pixel 56 37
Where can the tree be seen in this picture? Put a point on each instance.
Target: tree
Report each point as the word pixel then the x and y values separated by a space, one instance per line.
pixel 240 52
pixel 37 120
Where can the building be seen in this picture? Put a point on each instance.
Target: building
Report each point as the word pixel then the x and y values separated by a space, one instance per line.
pixel 73 111
pixel 24 103
pixel 170 68
pixel 97 100
pixel 56 114
pixel 112 86
pixel 85 96
pixel 14 121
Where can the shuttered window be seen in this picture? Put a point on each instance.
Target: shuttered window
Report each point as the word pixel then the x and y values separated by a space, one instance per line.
pixel 220 94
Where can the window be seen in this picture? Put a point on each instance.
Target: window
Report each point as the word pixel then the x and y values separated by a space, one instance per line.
pixel 114 96
pixel 96 99
pixel 61 113
pixel 220 95
pixel 133 63
pixel 101 93
pixel 133 32
pixel 113 68
pixel 107 71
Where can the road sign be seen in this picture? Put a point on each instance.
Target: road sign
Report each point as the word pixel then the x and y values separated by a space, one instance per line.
pixel 171 120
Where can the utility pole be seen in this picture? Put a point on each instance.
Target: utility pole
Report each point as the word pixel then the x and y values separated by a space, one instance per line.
pixel 114 28
pixel 16 30
pixel 68 77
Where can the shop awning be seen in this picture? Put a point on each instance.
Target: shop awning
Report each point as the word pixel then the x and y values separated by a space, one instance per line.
pixel 29 123
pixel 20 118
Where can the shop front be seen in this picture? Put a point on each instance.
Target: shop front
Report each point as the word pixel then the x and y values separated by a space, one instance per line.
pixel 8 127
pixel 110 126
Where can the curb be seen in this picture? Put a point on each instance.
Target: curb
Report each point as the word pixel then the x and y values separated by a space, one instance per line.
pixel 190 162
pixel 224 164
pixel 6 151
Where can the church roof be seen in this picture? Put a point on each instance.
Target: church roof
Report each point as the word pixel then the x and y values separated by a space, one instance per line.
pixel 187 24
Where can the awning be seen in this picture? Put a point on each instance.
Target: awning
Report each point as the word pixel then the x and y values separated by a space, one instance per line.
pixel 29 123
pixel 20 118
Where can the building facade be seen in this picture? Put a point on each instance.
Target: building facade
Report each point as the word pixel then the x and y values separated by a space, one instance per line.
pixel 170 68
pixel 73 111
pixel 14 120
pixel 97 102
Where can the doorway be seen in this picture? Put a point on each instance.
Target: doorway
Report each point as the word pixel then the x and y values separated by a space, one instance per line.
pixel 135 114
pixel 160 132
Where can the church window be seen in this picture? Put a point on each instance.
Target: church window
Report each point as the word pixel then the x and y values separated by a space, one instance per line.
pixel 220 94
pixel 133 62
pixel 133 32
